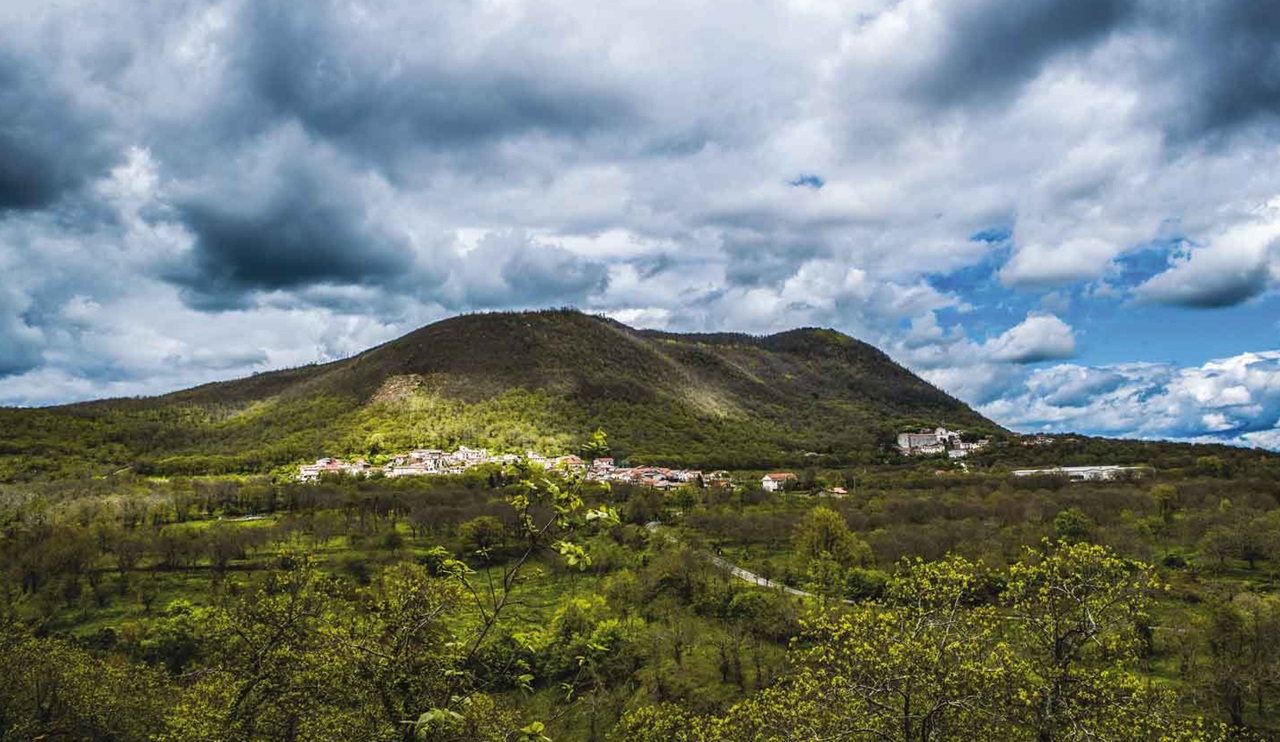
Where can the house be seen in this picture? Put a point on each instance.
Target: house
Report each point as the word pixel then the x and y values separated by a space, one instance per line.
pixel 937 441
pixel 602 463
pixel 718 478
pixel 411 469
pixel 775 481
pixel 570 462
pixel 471 456
pixel 912 442
pixel 312 472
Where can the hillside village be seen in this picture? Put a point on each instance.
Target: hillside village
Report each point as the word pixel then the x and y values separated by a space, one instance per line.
pixel 438 462
pixel 939 441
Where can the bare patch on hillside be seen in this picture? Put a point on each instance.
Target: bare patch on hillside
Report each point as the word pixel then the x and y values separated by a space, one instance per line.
pixel 397 389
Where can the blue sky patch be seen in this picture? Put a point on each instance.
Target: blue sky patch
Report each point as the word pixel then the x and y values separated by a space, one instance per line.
pixel 808 180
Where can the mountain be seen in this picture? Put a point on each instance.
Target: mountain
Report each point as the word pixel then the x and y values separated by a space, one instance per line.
pixel 511 381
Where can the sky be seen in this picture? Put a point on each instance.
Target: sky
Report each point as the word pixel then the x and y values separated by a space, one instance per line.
pixel 1064 212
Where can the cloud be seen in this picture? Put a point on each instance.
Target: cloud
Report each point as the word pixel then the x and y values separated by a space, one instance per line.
pixel 1040 337
pixel 1233 400
pixel 1073 386
pixel 49 142
pixel 20 344
pixel 988 47
pixel 977 384
pixel 512 269
pixel 1230 78
pixel 443 77
pixel 1051 265
pixel 289 216
pixel 1236 266
pixel 808 180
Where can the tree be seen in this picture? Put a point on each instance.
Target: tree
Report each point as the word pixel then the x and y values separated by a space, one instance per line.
pixel 481 535
pixel 824 531
pixel 921 666
pixel 1072 526
pixel 936 659
pixel 1077 608
pixel 54 690
pixel 1165 498
pixel 1240 640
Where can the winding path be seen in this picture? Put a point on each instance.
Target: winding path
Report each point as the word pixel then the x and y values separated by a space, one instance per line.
pixel 734 569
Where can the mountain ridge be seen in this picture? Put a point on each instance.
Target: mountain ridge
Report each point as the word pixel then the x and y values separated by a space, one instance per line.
pixel 511 379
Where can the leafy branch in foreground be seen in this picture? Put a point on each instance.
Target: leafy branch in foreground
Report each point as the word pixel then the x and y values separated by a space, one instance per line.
pixel 939 659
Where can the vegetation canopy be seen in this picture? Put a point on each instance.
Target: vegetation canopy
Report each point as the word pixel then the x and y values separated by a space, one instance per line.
pixel 165 576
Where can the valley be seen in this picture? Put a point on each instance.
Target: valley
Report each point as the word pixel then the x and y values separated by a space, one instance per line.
pixel 574 582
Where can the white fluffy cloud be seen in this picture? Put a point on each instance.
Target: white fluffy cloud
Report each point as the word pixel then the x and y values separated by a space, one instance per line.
pixel 1240 263
pixel 1234 399
pixel 1040 337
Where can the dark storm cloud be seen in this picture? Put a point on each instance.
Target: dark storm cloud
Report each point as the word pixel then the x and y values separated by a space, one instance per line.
pixel 990 46
pixel 807 180
pixel 48 144
pixel 1227 64
pixel 304 224
pixel 654 265
pixel 382 94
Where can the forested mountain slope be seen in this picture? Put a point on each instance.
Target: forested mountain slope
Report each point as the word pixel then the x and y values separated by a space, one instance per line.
pixel 510 381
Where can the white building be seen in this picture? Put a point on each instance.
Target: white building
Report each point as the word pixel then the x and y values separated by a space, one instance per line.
pixel 911 442
pixel 775 481
pixel 1081 473
pixel 471 456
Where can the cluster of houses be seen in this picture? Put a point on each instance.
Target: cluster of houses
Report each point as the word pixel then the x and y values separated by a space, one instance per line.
pixel 938 441
pixel 438 462
pixel 414 463
pixel 1100 473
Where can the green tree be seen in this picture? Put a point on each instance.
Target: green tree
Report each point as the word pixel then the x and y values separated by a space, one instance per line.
pixel 482 535
pixel 1078 609
pixel 1240 663
pixel 1165 498
pixel 1072 526
pixel 824 531
pixel 56 691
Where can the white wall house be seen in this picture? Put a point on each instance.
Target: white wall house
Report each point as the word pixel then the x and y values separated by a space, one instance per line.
pixel 775 481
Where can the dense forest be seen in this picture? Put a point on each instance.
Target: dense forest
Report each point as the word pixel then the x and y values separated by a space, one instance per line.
pixel 932 603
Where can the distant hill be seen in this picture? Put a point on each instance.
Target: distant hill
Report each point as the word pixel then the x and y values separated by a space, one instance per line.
pixel 511 381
